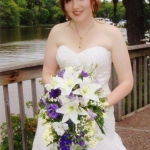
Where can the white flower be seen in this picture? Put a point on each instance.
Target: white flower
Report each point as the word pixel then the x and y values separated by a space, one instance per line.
pixel 87 90
pixel 93 142
pixel 60 127
pixel 70 69
pixel 51 85
pixel 68 81
pixel 47 135
pixel 42 113
pixel 44 121
pixel 47 138
pixel 105 115
pixel 106 104
pixel 71 111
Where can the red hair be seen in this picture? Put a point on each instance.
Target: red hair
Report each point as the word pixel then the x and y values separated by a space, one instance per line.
pixel 95 6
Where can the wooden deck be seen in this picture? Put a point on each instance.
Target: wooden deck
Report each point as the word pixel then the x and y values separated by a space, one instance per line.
pixel 135 130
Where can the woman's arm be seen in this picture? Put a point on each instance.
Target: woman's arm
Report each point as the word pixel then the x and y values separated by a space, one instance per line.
pixel 50 65
pixel 121 61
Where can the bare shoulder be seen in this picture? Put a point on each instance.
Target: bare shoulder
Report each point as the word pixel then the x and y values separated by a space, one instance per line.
pixel 112 37
pixel 112 30
pixel 114 34
pixel 57 29
pixel 109 30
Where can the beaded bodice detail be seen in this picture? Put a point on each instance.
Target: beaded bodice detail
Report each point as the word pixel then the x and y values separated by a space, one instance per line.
pixel 88 57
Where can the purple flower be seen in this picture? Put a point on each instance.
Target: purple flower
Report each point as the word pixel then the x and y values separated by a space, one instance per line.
pixel 61 73
pixel 96 81
pixel 51 111
pixel 79 139
pixel 81 100
pixel 54 93
pixel 65 148
pixel 71 95
pixel 43 102
pixel 81 142
pixel 82 134
pixel 84 74
pixel 92 115
pixel 65 142
pixel 69 122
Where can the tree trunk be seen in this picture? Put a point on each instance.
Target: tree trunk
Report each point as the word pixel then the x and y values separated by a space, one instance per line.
pixel 115 9
pixel 135 20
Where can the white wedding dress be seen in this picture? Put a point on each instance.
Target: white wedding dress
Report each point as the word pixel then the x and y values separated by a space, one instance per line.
pixel 94 55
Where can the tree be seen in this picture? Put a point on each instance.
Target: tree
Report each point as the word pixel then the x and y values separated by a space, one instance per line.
pixel 43 15
pixel 107 11
pixel 9 13
pixel 135 20
pixel 115 9
pixel 56 15
pixel 27 17
pixel 147 16
pixel 21 3
pixel 30 3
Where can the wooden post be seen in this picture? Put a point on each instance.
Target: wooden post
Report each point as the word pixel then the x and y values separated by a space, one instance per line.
pixel 8 118
pixel 135 84
pixel 140 82
pixel 34 97
pixel 22 115
pixel 118 107
pixel 145 81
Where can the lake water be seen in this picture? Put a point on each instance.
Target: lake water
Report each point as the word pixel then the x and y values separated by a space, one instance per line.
pixel 22 44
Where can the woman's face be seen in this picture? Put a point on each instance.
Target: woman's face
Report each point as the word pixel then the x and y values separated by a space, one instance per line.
pixel 78 10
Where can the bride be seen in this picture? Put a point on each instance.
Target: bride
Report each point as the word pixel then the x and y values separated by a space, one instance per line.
pixel 83 40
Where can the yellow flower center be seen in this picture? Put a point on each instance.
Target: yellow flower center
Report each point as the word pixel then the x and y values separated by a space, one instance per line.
pixel 71 108
pixel 85 90
pixel 69 82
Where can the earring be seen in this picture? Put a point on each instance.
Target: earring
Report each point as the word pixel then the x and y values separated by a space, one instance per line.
pixel 67 17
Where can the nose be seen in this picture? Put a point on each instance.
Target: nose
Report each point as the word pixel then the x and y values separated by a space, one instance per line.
pixel 75 4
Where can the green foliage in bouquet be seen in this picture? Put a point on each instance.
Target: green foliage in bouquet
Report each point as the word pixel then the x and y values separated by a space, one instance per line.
pixel 99 119
pixel 31 124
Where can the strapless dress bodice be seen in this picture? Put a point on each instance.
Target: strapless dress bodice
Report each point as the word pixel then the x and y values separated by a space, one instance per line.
pixel 86 58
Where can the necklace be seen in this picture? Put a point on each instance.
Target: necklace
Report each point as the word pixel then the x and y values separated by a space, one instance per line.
pixel 81 37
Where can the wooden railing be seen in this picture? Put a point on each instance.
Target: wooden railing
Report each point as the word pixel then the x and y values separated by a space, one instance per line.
pixel 140 95
pixel 138 98
pixel 17 74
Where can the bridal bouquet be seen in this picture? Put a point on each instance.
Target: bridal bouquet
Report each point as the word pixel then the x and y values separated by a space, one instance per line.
pixel 70 109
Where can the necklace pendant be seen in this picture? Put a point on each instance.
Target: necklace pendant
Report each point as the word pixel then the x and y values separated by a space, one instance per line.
pixel 81 37
pixel 79 45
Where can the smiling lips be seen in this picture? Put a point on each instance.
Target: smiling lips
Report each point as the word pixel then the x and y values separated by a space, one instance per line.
pixel 77 13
